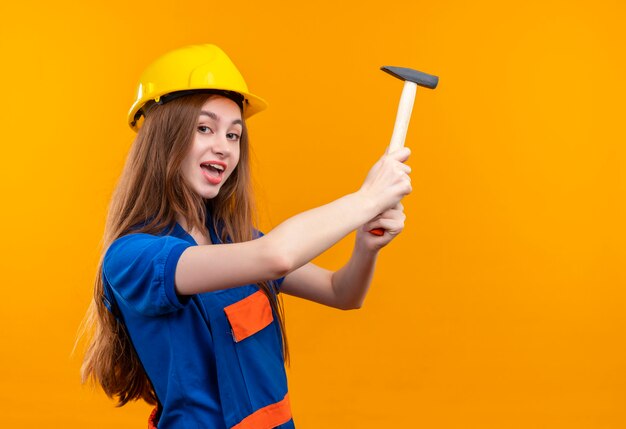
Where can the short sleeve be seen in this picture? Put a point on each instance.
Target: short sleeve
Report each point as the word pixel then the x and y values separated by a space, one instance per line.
pixel 140 269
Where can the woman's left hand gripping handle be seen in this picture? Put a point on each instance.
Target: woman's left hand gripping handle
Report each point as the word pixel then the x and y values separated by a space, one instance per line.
pixel 390 223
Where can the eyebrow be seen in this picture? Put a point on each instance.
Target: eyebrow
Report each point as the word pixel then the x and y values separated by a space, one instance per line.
pixel 216 118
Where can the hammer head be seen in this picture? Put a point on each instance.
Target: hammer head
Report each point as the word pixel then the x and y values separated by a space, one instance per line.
pixel 418 77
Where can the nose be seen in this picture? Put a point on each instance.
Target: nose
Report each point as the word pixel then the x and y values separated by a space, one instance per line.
pixel 221 146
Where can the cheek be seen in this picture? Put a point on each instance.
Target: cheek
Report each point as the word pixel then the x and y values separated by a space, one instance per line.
pixel 236 156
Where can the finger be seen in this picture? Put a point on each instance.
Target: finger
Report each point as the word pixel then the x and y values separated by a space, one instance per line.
pixel 391 226
pixel 398 208
pixel 401 154
pixel 392 214
pixel 402 167
pixel 388 216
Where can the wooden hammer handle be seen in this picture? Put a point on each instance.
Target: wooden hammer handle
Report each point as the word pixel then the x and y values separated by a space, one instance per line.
pixel 403 117
pixel 405 108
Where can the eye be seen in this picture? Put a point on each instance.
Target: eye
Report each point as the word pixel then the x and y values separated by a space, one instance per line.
pixel 233 136
pixel 204 129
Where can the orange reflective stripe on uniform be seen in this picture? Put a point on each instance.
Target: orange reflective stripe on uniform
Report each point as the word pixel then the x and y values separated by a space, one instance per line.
pixel 267 417
pixel 249 315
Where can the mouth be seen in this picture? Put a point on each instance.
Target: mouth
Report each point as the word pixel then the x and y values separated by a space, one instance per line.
pixel 213 171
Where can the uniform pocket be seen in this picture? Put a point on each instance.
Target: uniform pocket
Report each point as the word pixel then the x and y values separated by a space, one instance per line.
pixel 249 316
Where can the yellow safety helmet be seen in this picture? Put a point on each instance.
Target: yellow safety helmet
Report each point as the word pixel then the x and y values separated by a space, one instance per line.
pixel 190 69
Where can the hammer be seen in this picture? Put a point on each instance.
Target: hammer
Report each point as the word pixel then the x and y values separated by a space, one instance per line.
pixel 411 79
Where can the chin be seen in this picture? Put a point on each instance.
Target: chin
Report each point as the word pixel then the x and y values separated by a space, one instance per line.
pixel 208 194
pixel 207 191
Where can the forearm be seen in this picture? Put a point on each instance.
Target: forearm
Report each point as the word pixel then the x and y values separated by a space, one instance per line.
pixel 287 247
pixel 347 288
pixel 351 283
pixel 306 235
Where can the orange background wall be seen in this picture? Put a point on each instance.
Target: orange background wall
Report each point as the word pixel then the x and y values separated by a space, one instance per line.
pixel 502 305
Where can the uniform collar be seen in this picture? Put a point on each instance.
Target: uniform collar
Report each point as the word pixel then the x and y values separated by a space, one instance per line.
pixel 179 232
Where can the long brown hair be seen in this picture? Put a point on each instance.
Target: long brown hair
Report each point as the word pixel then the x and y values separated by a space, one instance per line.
pixel 150 194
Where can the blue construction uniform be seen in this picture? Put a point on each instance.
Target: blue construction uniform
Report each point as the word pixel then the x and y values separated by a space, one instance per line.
pixel 203 376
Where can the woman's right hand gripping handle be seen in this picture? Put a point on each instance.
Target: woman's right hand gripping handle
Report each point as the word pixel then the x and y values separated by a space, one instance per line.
pixel 388 181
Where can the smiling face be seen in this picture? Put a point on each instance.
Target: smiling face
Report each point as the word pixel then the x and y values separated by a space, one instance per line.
pixel 214 153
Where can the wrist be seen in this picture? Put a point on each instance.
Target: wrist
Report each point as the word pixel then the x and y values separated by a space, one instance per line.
pixel 366 202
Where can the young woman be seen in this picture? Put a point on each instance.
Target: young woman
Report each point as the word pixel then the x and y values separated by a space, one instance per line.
pixel 185 308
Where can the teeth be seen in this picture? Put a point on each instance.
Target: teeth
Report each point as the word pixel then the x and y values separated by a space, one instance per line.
pixel 216 166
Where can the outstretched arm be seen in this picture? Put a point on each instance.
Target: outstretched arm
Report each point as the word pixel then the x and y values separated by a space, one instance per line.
pixel 346 288
pixel 299 239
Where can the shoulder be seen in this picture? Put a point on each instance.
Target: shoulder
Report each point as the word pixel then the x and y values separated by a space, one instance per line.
pixel 140 250
pixel 141 269
pixel 141 242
